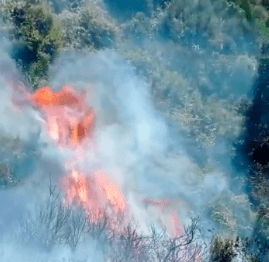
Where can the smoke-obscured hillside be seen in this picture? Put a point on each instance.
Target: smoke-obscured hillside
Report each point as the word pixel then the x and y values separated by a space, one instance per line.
pixel 134 131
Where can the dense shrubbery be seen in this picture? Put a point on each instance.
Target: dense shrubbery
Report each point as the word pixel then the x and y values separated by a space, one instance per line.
pixel 88 27
pixel 223 250
pixel 42 33
pixel 39 31
pixel 255 11
pixel 178 86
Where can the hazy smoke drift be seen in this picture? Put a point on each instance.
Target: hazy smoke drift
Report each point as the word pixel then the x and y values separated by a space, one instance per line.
pixel 133 146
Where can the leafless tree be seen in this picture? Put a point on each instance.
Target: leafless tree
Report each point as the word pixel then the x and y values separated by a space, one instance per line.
pixel 130 245
pixel 75 227
pixel 55 223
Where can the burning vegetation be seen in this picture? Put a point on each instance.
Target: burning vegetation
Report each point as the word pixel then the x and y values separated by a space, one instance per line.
pixel 91 204
pixel 69 119
pixel 167 162
pixel 70 123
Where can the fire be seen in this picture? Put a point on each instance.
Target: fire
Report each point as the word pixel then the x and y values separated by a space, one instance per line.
pixel 82 187
pixel 54 128
pixel 80 190
pixel 112 193
pixel 176 225
pixel 93 193
pixel 46 97
pixel 70 122
pixel 69 119
pixel 167 213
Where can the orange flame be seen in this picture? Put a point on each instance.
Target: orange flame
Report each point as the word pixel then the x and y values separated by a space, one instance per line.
pixel 70 121
pixel 165 207
pixel 81 191
pixel 112 193
pixel 92 194
pixel 69 118
pixel 176 225
pixel 46 97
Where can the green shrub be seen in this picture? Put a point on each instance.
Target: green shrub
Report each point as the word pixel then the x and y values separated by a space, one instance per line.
pixel 222 250
pixel 88 27
pixel 35 24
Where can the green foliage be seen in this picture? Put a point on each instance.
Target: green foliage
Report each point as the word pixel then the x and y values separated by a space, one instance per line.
pixel 35 25
pixel 223 250
pixel 176 19
pixel 88 27
pixel 245 6
pixel 256 12
pixel 45 33
pixel 260 18
pixel 262 29
pixel 181 101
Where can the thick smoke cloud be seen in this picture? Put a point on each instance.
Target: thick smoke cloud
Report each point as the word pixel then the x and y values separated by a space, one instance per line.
pixel 144 154
pixel 27 161
pixel 132 143
pixel 132 137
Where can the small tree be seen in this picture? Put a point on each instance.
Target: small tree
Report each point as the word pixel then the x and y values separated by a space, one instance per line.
pixel 222 250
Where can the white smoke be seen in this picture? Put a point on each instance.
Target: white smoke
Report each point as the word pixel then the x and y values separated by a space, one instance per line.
pixel 30 157
pixel 134 145
pixel 132 137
